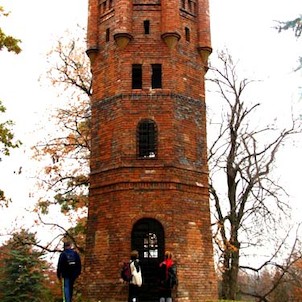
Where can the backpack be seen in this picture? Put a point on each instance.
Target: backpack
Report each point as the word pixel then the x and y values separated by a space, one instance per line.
pixel 71 259
pixel 126 272
pixel 172 276
pixel 168 276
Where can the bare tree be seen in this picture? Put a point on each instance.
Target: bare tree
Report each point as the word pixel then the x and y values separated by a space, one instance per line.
pixel 242 155
pixel 275 279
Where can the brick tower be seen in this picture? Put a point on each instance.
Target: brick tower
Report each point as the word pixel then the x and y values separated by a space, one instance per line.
pixel 149 174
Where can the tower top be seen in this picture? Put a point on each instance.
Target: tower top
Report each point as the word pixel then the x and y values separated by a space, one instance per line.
pixel 174 16
pixel 174 34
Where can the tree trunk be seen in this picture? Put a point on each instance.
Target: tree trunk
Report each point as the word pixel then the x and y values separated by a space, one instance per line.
pixel 225 276
pixel 229 286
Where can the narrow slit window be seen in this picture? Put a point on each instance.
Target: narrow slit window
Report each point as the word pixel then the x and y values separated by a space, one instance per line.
pixel 107 35
pixel 183 4
pixel 194 8
pixel 156 76
pixel 104 6
pixel 187 34
pixel 190 6
pixel 147 139
pixel 147 27
pixel 137 82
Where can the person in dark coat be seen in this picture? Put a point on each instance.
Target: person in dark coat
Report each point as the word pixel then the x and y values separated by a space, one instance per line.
pixel 68 270
pixel 166 284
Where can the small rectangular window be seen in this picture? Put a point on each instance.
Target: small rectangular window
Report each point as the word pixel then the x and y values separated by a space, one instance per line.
pixel 137 75
pixel 107 35
pixel 156 76
pixel 147 27
pixel 104 6
pixel 183 3
pixel 187 34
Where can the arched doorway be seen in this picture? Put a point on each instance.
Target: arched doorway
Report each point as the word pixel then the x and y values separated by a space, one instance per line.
pixel 148 238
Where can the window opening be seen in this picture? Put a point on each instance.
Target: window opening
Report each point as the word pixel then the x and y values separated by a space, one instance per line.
pixel 150 246
pixel 147 139
pixel 194 8
pixel 137 82
pixel 147 27
pixel 104 7
pixel 107 35
pixel 189 6
pixel 187 33
pixel 156 76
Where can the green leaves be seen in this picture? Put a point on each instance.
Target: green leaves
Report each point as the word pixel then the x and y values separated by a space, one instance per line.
pixel 9 43
pixel 295 25
pixel 6 135
pixel 22 270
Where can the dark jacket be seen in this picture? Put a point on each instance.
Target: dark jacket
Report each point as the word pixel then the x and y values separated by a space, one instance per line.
pixel 69 264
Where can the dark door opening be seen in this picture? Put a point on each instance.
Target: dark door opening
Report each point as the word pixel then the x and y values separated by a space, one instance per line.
pixel 148 238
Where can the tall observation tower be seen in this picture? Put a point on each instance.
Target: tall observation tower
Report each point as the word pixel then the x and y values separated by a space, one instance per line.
pixel 149 173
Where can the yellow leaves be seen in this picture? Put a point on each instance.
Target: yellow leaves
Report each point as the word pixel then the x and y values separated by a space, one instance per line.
pixel 230 247
pixel 8 42
pixel 224 244
pixel 4 202
pixel 43 206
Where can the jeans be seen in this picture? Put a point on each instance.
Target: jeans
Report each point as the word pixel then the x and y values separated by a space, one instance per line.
pixel 67 289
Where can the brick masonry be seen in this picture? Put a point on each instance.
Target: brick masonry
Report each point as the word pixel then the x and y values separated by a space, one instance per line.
pixel 171 188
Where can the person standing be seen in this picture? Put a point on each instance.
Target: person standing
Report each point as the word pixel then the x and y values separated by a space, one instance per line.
pixel 136 279
pixel 167 277
pixel 68 270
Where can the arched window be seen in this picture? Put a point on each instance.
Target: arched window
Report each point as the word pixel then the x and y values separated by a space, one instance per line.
pixel 147 139
pixel 148 238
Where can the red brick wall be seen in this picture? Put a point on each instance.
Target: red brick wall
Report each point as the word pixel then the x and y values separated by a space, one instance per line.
pixel 173 188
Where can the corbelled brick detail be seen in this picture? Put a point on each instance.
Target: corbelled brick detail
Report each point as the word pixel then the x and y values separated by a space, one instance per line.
pixel 171 188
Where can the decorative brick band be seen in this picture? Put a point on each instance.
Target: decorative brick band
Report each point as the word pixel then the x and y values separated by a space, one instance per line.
pixel 122 186
pixel 150 96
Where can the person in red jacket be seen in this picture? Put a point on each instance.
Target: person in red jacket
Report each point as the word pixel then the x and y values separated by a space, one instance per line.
pixel 167 277
pixel 68 268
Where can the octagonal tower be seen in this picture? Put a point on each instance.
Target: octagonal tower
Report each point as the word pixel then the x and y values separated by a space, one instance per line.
pixel 149 173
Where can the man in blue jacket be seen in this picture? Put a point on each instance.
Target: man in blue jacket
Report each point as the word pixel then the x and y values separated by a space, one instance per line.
pixel 69 268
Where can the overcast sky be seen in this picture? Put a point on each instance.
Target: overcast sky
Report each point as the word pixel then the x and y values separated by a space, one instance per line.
pixel 245 27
